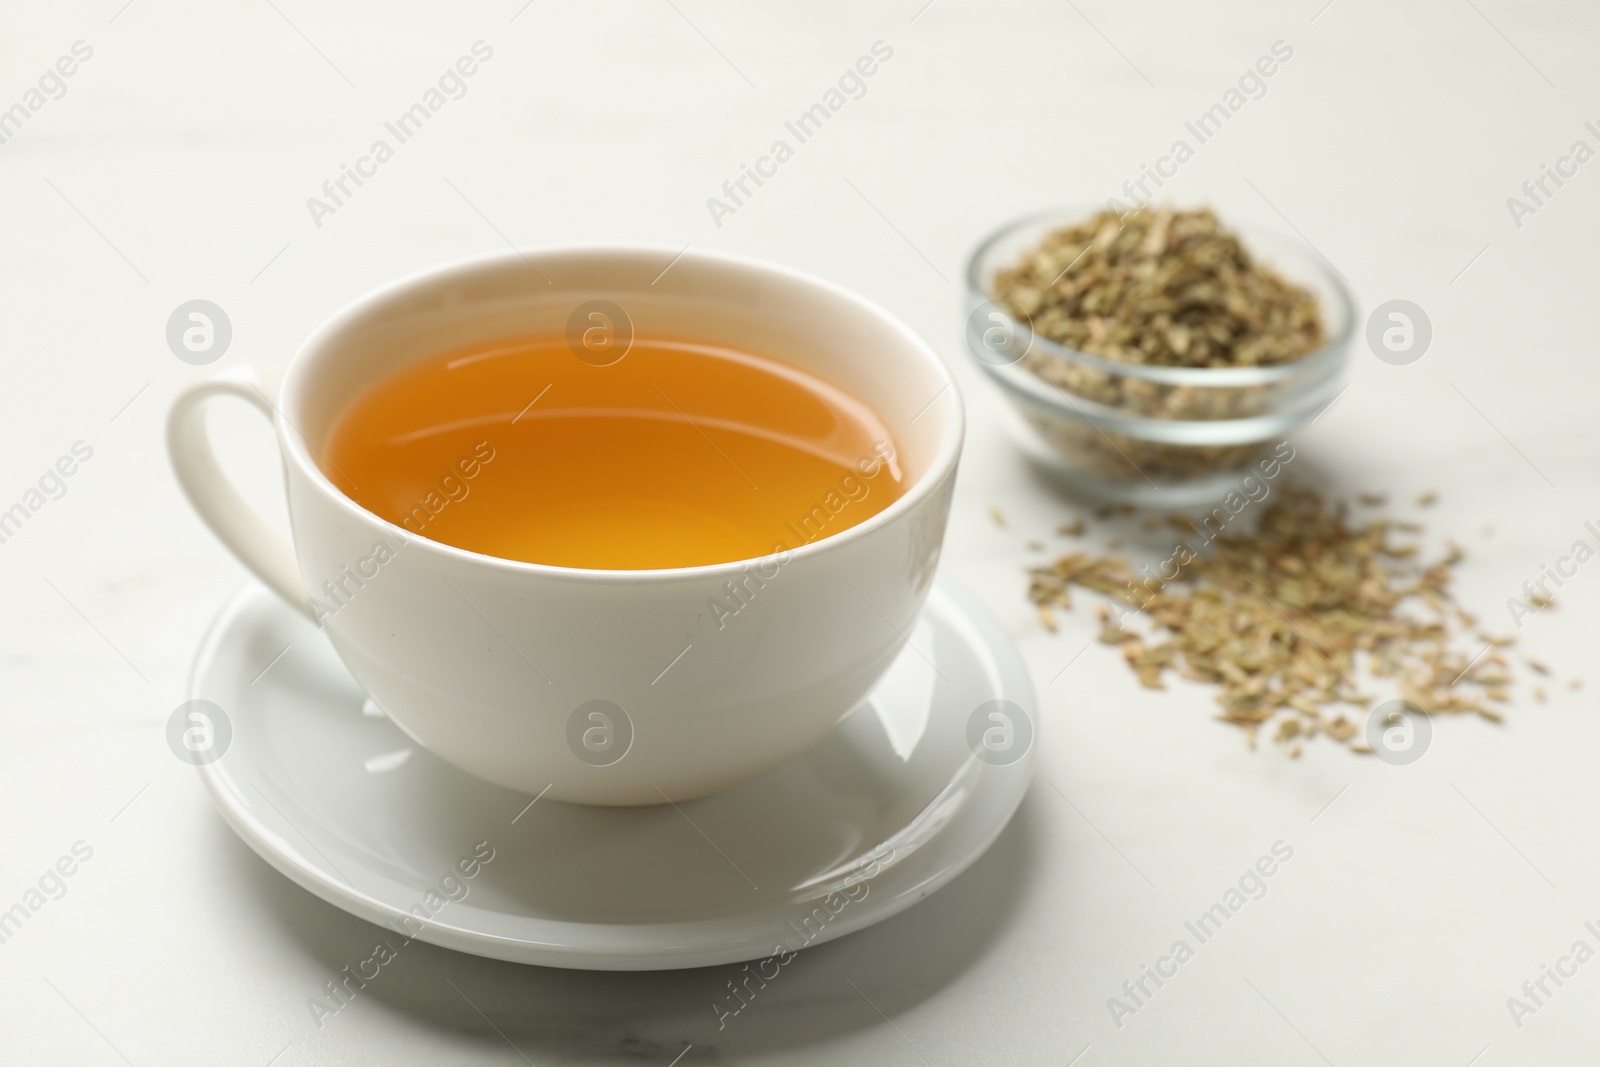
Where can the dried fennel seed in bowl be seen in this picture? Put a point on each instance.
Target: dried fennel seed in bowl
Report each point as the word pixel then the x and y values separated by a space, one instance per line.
pixel 1162 288
pixel 1286 621
pixel 1162 350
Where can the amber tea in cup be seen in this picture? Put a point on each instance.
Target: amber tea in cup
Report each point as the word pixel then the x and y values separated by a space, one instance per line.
pixel 679 454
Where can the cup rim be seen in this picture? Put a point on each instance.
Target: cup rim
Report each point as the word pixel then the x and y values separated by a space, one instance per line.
pixel 295 446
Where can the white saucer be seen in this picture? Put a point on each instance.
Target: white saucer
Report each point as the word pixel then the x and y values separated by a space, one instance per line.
pixel 886 810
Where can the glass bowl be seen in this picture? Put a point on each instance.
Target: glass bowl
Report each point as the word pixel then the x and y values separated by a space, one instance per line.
pixel 1151 436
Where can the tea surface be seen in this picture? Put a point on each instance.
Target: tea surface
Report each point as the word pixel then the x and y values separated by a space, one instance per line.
pixel 680 454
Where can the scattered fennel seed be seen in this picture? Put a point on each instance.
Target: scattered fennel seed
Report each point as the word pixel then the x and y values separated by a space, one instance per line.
pixel 1289 620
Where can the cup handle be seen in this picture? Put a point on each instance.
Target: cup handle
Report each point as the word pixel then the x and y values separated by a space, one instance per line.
pixel 214 497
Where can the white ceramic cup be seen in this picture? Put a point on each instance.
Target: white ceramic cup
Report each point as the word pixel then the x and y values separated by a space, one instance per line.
pixel 599 686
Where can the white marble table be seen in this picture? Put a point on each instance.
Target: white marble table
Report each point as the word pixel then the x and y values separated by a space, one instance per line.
pixel 177 164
